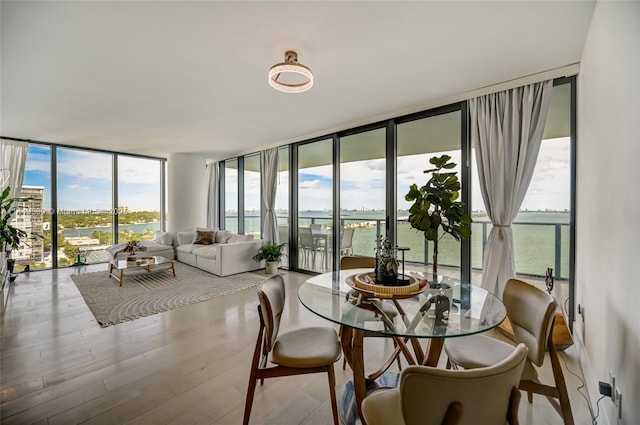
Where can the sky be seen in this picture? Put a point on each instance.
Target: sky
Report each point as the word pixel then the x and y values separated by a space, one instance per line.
pixel 363 182
pixel 84 181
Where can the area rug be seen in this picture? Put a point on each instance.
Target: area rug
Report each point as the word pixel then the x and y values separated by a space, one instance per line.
pixel 144 294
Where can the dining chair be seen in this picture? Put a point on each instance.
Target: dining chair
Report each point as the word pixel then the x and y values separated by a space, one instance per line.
pixel 531 312
pixel 346 241
pixel 430 396
pixel 307 245
pixel 301 351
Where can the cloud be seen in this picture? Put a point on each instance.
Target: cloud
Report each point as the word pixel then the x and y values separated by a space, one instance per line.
pixel 309 184
pixel 77 187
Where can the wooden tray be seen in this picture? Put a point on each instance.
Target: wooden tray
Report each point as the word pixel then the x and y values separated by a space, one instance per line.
pixel 358 282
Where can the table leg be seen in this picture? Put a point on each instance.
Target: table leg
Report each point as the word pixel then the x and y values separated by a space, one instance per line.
pixel 435 348
pixel 357 366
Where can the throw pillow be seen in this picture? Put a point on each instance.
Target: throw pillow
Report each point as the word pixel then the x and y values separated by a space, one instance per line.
pixel 164 238
pixel 222 236
pixel 203 237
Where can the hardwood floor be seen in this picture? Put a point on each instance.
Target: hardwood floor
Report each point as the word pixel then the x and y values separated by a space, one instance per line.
pixel 186 366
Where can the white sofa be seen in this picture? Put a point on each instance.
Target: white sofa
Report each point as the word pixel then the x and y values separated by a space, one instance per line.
pixel 229 254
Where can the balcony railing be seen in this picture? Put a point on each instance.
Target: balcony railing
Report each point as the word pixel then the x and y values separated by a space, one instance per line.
pixel 538 245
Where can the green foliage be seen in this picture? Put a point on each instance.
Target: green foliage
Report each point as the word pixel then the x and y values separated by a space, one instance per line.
pixel 435 205
pixel 10 237
pixel 270 252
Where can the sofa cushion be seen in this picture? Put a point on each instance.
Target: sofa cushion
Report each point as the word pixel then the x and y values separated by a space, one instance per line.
pixel 164 238
pixel 204 237
pixel 206 252
pixel 188 248
pixel 239 238
pixel 222 236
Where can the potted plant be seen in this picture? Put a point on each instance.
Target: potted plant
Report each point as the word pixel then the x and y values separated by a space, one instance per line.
pixel 271 253
pixel 132 248
pixel 10 236
pixel 435 206
pixel 386 263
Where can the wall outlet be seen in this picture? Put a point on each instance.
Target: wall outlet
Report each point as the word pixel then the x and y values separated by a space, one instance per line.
pixel 618 401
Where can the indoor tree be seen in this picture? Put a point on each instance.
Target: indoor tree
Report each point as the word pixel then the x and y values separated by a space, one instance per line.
pixel 435 206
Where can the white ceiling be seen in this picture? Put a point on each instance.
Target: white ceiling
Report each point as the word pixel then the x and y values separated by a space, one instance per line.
pixel 174 76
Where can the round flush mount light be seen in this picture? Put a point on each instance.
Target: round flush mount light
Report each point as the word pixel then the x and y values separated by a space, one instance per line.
pixel 290 76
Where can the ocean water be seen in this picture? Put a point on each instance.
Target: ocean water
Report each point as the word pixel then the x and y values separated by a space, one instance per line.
pixel 541 239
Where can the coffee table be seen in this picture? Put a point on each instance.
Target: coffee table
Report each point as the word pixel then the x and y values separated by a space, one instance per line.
pixel 150 264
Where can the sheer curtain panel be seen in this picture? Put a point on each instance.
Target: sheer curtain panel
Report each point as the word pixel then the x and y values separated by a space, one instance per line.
pixel 506 130
pixel 269 170
pixel 13 157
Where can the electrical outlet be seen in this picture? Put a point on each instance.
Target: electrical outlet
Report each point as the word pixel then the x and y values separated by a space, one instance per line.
pixel 612 381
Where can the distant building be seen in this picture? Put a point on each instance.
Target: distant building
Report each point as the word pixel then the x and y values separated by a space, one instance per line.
pixel 29 218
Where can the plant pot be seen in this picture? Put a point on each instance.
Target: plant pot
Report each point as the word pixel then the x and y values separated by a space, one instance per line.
pixel 386 277
pixel 272 267
pixel 11 262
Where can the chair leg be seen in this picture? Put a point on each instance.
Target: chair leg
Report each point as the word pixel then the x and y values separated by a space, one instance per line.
pixel 530 397
pixel 332 393
pixel 558 376
pixel 249 402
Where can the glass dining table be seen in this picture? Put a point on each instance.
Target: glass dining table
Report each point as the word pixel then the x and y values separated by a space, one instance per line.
pixel 425 315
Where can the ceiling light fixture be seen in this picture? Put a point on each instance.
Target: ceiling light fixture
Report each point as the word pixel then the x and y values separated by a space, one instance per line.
pixel 298 77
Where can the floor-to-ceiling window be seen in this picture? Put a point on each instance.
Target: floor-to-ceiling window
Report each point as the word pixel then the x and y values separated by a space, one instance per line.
pixel 315 205
pixel 418 141
pixel 139 193
pixel 34 215
pixel 79 186
pixel 362 191
pixel 85 208
pixel 252 195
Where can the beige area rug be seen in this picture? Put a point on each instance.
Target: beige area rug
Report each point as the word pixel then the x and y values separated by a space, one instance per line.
pixel 144 294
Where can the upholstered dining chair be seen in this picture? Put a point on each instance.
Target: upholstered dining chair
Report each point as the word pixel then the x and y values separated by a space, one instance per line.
pixel 301 351
pixel 531 312
pixel 430 396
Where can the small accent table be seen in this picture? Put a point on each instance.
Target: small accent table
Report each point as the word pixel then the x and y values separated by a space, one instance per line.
pixel 150 264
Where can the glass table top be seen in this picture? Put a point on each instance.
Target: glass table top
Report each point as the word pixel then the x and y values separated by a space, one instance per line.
pixel 467 310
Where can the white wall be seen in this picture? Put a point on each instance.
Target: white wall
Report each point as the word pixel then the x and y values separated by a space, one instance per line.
pixel 186 187
pixel 608 202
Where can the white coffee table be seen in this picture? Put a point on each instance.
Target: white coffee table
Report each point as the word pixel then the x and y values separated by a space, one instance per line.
pixel 150 264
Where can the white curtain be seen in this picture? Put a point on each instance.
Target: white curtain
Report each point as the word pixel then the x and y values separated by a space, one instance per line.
pixel 269 174
pixel 506 130
pixel 213 195
pixel 13 157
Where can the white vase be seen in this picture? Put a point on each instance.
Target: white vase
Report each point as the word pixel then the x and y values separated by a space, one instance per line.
pixel 272 267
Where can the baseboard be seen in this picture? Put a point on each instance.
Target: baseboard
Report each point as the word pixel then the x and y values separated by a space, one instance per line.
pixel 591 382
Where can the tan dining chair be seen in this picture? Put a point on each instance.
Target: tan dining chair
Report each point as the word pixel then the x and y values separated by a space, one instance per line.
pixel 432 396
pixel 531 312
pixel 346 241
pixel 301 351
